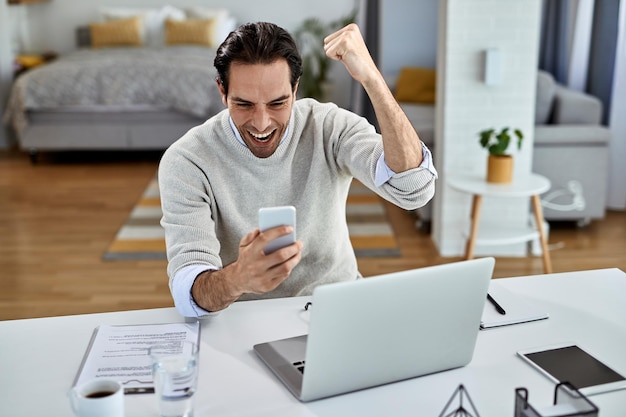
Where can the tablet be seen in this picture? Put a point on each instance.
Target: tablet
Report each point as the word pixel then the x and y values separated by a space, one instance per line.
pixel 568 362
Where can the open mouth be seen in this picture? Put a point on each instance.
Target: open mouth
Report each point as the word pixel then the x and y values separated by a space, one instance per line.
pixel 263 137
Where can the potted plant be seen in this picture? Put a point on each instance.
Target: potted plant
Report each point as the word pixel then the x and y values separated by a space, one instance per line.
pixel 315 64
pixel 499 164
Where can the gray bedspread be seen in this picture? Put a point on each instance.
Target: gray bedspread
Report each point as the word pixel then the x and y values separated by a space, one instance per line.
pixel 181 78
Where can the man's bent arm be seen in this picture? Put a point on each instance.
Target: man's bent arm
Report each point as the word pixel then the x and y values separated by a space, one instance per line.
pixel 403 150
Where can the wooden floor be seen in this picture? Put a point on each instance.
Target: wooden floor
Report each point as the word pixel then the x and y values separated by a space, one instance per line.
pixel 57 218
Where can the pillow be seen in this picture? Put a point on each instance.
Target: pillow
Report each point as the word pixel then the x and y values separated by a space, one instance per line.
pixel 224 23
pixel 153 20
pixel 121 32
pixel 109 14
pixel 416 85
pixel 546 90
pixel 192 31
pixel 157 23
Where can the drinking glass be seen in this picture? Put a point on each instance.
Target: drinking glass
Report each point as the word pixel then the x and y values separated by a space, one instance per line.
pixel 175 372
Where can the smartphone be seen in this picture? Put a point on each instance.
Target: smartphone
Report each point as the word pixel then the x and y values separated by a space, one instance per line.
pixel 270 217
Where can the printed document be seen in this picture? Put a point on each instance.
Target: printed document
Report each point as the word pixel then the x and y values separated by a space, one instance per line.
pixel 121 352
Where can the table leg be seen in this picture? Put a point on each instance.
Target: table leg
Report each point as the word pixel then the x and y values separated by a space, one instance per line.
pixel 471 241
pixel 545 253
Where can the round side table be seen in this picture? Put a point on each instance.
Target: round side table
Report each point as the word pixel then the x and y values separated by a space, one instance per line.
pixel 531 186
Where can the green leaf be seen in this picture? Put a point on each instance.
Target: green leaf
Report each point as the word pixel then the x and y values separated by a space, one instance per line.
pixel 498 142
pixel 520 136
pixel 500 146
pixel 485 137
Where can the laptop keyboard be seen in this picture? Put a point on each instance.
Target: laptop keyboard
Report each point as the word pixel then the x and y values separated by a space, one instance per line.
pixel 299 365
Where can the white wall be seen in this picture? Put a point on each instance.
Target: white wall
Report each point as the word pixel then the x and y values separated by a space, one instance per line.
pixel 466 105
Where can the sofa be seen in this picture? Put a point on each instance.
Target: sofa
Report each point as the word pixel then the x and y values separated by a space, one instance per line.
pixel 571 149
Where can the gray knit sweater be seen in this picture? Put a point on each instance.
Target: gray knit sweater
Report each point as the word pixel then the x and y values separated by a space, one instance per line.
pixel 212 186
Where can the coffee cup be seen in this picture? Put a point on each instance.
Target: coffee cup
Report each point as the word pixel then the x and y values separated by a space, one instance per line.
pixel 98 398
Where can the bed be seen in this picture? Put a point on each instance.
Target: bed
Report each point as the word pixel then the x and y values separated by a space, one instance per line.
pixel 137 94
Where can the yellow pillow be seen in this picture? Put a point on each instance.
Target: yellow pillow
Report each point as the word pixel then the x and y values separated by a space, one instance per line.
pixel 119 32
pixel 191 31
pixel 29 61
pixel 416 85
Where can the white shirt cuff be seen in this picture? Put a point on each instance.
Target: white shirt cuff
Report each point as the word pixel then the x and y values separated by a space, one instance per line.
pixel 384 173
pixel 181 291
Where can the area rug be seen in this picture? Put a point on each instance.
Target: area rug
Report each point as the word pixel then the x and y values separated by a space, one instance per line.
pixel 142 237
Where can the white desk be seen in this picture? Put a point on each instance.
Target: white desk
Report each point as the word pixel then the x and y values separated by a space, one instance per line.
pixel 531 186
pixel 39 357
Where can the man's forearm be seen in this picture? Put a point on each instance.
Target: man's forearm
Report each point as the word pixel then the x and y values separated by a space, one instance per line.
pixel 212 290
pixel 403 150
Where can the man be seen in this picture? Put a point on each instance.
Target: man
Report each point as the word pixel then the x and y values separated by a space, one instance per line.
pixel 267 149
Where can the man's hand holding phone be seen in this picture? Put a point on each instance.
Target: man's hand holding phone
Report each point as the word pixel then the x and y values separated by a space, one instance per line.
pixel 280 254
pixel 266 258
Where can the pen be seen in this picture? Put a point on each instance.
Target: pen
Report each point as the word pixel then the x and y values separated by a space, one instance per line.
pixel 498 307
pixel 139 390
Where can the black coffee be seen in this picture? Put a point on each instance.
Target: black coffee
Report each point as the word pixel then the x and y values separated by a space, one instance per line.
pixel 100 394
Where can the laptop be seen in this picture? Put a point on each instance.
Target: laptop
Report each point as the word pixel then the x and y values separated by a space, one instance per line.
pixel 383 329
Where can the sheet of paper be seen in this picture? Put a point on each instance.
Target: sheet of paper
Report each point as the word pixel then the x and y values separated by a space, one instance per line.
pixel 121 352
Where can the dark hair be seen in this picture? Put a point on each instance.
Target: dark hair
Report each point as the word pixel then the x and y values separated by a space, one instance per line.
pixel 257 43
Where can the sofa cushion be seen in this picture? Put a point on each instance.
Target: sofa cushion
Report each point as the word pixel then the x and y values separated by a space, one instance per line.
pixel 416 85
pixel 546 89
pixel 560 135
pixel 572 107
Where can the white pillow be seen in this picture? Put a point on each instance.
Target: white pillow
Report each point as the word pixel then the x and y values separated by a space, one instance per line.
pixel 157 24
pixel 224 23
pixel 153 20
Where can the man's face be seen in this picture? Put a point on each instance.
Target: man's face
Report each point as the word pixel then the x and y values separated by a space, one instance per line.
pixel 260 101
